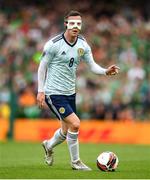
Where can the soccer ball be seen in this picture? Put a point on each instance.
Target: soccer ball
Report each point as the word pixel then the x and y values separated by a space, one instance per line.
pixel 107 161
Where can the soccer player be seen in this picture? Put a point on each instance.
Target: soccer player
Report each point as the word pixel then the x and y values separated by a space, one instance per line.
pixel 56 85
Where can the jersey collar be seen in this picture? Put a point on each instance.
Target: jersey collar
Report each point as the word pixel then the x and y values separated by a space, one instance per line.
pixel 68 42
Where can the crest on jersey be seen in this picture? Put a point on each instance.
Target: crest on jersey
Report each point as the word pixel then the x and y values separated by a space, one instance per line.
pixel 81 52
pixel 62 110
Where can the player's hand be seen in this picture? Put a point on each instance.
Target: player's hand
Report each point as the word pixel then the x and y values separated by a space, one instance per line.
pixel 112 70
pixel 41 99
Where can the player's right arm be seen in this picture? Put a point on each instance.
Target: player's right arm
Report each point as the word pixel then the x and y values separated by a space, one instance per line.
pixel 41 81
pixel 42 69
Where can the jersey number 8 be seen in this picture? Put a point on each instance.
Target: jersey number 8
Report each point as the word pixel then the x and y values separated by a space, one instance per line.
pixel 71 62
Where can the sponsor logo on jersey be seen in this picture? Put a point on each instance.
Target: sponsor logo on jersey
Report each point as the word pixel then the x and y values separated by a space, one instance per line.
pixel 80 52
pixel 62 110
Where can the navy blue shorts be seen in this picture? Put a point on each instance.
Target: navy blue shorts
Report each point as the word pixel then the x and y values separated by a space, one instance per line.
pixel 61 105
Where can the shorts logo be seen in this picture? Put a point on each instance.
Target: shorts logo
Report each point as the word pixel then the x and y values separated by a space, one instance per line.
pixel 62 110
pixel 80 52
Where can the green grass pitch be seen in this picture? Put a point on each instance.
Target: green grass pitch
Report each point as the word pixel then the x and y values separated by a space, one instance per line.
pixel 26 160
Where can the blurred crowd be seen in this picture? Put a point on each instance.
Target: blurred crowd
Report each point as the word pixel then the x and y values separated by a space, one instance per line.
pixel 117 34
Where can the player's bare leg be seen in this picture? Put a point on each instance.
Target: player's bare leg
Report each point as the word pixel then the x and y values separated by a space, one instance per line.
pixel 73 144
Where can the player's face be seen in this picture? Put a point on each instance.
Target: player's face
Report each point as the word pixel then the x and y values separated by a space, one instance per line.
pixel 74 25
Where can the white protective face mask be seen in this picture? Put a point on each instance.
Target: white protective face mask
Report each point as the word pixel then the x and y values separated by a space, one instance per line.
pixel 74 24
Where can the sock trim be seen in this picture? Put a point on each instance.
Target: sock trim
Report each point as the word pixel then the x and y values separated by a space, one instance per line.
pixel 73 136
pixel 60 132
pixel 73 132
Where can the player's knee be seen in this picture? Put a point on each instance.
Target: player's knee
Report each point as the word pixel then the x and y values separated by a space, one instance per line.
pixel 75 126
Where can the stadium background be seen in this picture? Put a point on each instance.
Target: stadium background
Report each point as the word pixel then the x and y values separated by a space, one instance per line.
pixel 117 31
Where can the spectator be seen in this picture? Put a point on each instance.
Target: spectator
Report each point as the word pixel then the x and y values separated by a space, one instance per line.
pixel 116 35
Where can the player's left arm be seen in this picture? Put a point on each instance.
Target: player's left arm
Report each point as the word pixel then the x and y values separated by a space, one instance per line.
pixel 111 70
